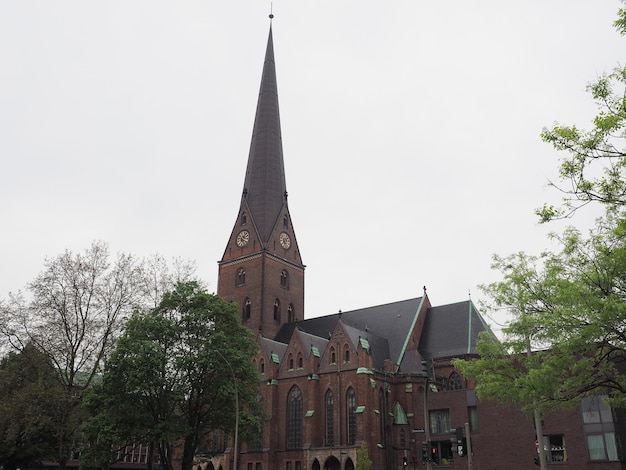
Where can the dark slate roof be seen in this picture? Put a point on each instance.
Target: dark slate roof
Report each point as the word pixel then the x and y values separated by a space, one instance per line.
pixel 388 323
pixel 379 347
pixel 270 346
pixel 451 330
pixel 265 189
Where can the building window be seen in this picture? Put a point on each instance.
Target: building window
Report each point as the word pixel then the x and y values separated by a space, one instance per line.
pixel 346 354
pixel 455 382
pixel 244 219
pixel 262 366
pixel 332 358
pixel 439 421
pixel 298 465
pixel 330 419
pixel 555 448
pixel 284 279
pixel 291 316
pixel 294 419
pixel 259 466
pixel 241 277
pixel 247 307
pixel 299 361
pixel 441 452
pixel 285 222
pixel 599 429
pixel 290 362
pixel 277 310
pixel 403 439
pixel 351 408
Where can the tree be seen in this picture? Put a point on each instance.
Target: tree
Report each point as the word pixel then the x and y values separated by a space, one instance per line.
pixel 595 169
pixel 174 375
pixel 28 410
pixel 75 312
pixel 363 461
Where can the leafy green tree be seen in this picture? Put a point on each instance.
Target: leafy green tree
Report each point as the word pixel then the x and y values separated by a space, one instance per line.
pixel 174 376
pixel 30 393
pixel 74 311
pixel 363 461
pixel 595 169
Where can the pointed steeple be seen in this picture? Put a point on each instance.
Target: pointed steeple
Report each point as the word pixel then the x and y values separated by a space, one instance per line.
pixel 264 188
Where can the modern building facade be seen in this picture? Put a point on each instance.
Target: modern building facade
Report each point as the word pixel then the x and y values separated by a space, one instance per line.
pixel 379 376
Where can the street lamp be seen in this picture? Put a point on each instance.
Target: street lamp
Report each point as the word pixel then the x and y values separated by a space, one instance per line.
pixel 236 440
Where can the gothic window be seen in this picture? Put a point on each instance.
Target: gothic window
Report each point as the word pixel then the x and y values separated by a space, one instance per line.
pixel 255 441
pixel 247 307
pixel 333 359
pixel 455 382
pixel 291 316
pixel 402 439
pixel 285 222
pixel 300 361
pixel 277 310
pixel 351 415
pixel 284 279
pixel 330 419
pixel 346 354
pixel 241 277
pixel 290 362
pixel 294 419
pixel 244 219
pixel 262 366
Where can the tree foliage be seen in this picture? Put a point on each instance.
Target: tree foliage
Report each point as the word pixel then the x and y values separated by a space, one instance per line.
pixel 74 312
pixel 30 393
pixel 363 461
pixel 173 376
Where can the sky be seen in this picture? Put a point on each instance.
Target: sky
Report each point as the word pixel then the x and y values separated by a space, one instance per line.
pixel 410 132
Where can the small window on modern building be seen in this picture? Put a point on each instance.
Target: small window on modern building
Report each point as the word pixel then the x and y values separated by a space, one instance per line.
pixel 555 448
pixel 439 421
pixel 472 415
pixel 599 428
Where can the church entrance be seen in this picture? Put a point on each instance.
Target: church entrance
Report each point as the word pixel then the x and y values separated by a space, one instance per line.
pixel 332 464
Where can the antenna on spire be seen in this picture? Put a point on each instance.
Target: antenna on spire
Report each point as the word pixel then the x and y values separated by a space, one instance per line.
pixel 271 10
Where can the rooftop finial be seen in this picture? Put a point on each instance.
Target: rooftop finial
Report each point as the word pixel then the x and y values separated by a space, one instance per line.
pixel 271 10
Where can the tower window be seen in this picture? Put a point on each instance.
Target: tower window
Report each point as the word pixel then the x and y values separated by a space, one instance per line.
pixel 241 277
pixel 284 279
pixel 277 310
pixel 291 314
pixel 285 222
pixel 247 307
pixel 244 219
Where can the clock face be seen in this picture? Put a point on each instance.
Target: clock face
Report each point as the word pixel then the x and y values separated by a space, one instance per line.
pixel 243 237
pixel 285 241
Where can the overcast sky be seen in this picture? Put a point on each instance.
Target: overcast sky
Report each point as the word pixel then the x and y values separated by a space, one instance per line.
pixel 410 132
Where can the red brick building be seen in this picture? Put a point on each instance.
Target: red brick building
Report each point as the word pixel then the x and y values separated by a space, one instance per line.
pixel 379 375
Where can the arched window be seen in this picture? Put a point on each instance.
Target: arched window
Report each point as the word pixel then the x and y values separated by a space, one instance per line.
pixel 455 382
pixel 346 353
pixel 285 222
pixel 351 415
pixel 332 357
pixel 255 441
pixel 244 219
pixel 402 439
pixel 330 419
pixel 294 418
pixel 300 361
pixel 247 307
pixel 262 366
pixel 241 277
pixel 291 314
pixel 284 279
pixel 277 310
pixel 290 362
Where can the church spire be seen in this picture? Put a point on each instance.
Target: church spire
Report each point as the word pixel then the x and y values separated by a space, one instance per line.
pixel 265 191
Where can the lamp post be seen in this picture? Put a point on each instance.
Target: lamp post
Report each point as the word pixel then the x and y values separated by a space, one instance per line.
pixel 236 439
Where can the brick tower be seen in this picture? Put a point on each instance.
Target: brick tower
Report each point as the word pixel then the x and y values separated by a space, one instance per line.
pixel 261 268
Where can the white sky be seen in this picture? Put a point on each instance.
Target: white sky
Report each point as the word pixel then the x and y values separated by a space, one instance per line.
pixel 410 131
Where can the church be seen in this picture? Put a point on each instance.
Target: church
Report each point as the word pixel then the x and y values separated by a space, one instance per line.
pixel 380 377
